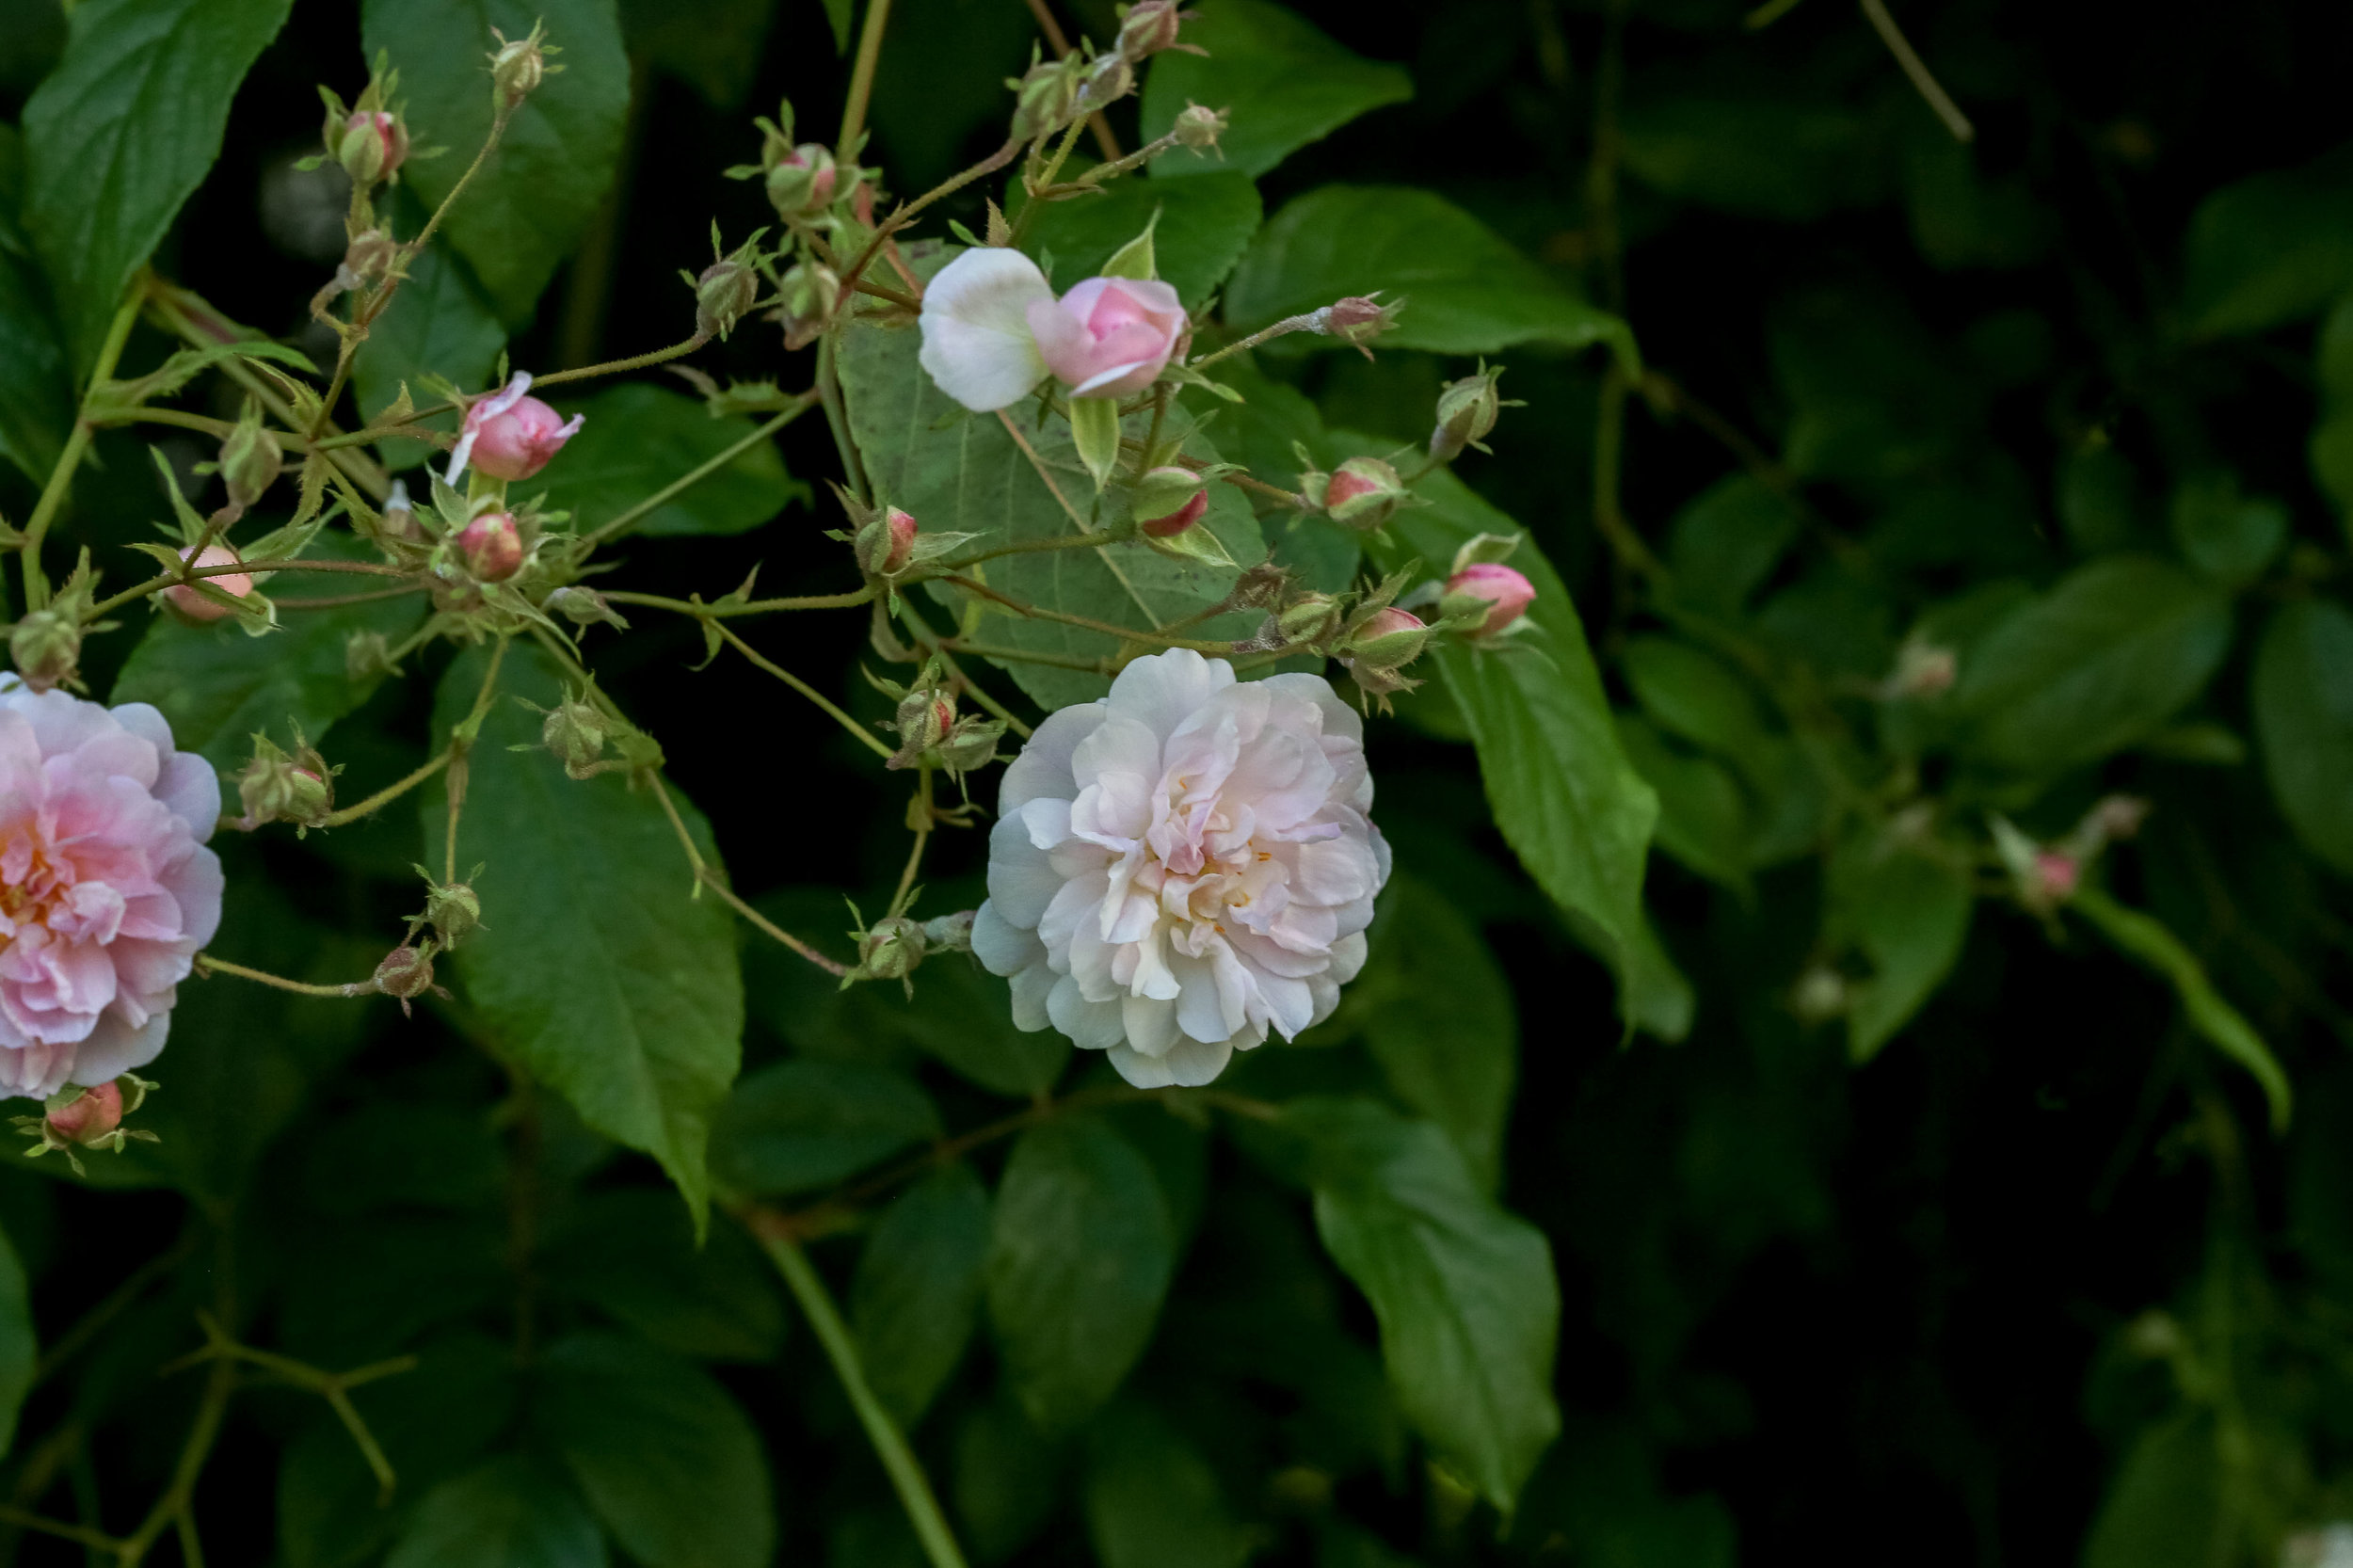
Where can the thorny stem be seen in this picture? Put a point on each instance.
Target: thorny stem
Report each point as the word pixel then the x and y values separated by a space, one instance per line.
pixel 61 475
pixel 1030 208
pixel 337 602
pixel 498 128
pixel 1126 633
pixel 838 418
pixel 460 748
pixel 181 575
pixel 755 607
pixel 614 367
pixel 906 215
pixel 207 966
pixel 1915 69
pixel 1060 43
pixel 388 793
pixel 1021 547
pixel 866 737
pixel 1304 323
pixel 712 880
pixel 862 73
pixel 1028 656
pixel 920 810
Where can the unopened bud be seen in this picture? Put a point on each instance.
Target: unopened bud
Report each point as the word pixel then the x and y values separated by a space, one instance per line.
pixel 517 69
pixel 950 932
pixel 1504 592
pixel 190 604
pixel 373 146
pixel 1357 320
pixel 890 950
pixel 885 543
pixel 1820 994
pixel 86 1116
pixel 971 744
pixel 1468 410
pixel 1198 127
pixel 1110 79
pixel 1363 493
pixel 806 297
pixel 454 911
pixel 367 259
pixel 1922 671
pixel 2116 817
pixel 368 655
pixel 406 972
pixel 400 515
pixel 1308 618
pixel 250 459
pixel 802 181
pixel 583 607
pixel 724 291
pixel 925 717
pixel 1389 639
pixel 1168 501
pixel 274 787
pixel 2054 877
pixel 46 647
pixel 492 547
pixel 1148 27
pixel 1046 97
pixel 574 731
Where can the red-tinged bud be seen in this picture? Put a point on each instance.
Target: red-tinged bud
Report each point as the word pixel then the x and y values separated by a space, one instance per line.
pixel 1179 519
pixel 88 1117
pixel 274 787
pixel 1389 639
pixel 1148 27
pixel 802 181
pixel 491 547
pixel 373 146
pixel 1363 493
pixel 1198 127
pixel 407 973
pixel 2055 876
pixel 1168 501
pixel 1357 320
pixel 886 543
pixel 190 604
pixel 1507 593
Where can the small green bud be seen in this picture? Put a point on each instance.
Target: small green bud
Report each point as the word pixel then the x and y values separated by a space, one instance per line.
pixel 250 459
pixel 1198 127
pixel 517 69
pixel 1389 639
pixel 46 647
pixel 890 950
pixel 574 732
pixel 808 294
pixel 453 910
pixel 274 787
pixel 1168 501
pixel 1046 97
pixel 1308 618
pixel 1468 410
pixel 406 972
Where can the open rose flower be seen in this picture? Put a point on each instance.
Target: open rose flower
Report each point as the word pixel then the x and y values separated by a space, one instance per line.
pixel 1183 865
pixel 993 330
pixel 508 435
pixel 106 892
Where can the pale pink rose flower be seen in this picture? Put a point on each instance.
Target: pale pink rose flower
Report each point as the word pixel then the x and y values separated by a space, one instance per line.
pixel 1109 337
pixel 106 892
pixel 1183 865
pixel 993 330
pixel 508 435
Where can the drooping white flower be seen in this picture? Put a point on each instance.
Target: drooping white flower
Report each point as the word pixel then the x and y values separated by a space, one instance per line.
pixel 1183 865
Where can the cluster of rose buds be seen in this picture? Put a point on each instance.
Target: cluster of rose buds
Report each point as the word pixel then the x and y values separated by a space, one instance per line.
pixel 276 787
pixel 892 947
pixel 76 1118
pixel 930 729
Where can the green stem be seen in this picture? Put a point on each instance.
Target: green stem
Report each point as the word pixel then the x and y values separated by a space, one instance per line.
pixel 867 737
pixel 838 418
pixel 862 73
pixel 755 607
pixel 906 1474
pixel 61 476
pixel 388 794
pixel 694 476
pixel 614 367
pixel 207 966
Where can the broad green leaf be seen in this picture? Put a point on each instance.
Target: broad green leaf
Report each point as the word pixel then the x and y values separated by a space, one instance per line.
pixel 2303 700
pixel 2100 660
pixel 1702 816
pixel 374 1289
pixel 917 1293
pixel 2143 936
pixel 20 1351
pixel 632 1254
pixel 596 965
pixel 2229 536
pixel 2165 1508
pixel 1655 996
pixel 639 439
pixel 1465 1294
pixel 808 1122
pixel 535 196
pixel 714 47
pixel 437 325
pixel 1079 1256
pixel 2270 248
pixel 2331 454
pixel 1435 1010
pixel 1725 542
pixel 508 1513
pixel 1691 692
pixel 1779 153
pixel 220 687
pixel 1005 1480
pixel 1204 226
pixel 36 395
pixel 1152 1501
pixel 967 473
pixel 1285 84
pixel 122 133
pixel 1467 290
pixel 1960 217
pixel 667 1459
pixel 1564 795
pixel 962 1017
pixel 1909 914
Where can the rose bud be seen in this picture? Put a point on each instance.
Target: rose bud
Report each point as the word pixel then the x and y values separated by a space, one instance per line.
pixel 1363 493
pixel 1389 639
pixel 890 950
pixel 491 547
pixel 806 297
pixel 517 69
pixel 400 515
pixel 925 717
pixel 1149 26
pixel 89 1117
pixel 1357 320
pixel 1109 337
pixel 802 181
pixel 250 459
pixel 1923 670
pixel 724 291
pixel 1198 127
pixel 511 435
pixel 454 911
pixel 1111 79
pixel 406 972
pixel 1468 410
pixel 1046 97
pixel 46 647
pixel 583 607
pixel 1168 501
pixel 274 787
pixel 1506 591
pixel 373 146
pixel 1308 618
pixel 885 543
pixel 574 731
pixel 190 604
pixel 2055 876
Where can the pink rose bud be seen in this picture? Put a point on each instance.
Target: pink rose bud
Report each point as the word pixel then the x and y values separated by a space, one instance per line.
pixel 1109 337
pixel 509 435
pixel 1179 519
pixel 372 146
pixel 886 542
pixel 1148 28
pixel 1389 639
pixel 1507 590
pixel 1168 501
pixel 1357 320
pixel 1362 494
pixel 191 604
pixel 89 1118
pixel 802 181
pixel 903 531
pixel 492 547
pixel 2056 874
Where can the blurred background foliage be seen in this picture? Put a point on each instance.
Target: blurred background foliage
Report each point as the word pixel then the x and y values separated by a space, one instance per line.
pixel 1900 1220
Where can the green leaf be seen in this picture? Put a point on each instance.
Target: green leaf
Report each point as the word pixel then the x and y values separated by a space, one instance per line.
pixel 1435 1010
pixel 596 965
pixel 20 1351
pixel 2229 536
pixel 439 324
pixel 1656 996
pixel 917 1293
pixel 1725 542
pixel 1564 795
pixel 1285 84
pixel 669 1462
pixel 1080 1253
pixel 837 16
pixel 2303 700
pixel 1152 1501
pixel 218 687
pixel 120 133
pixel 2143 936
pixel 1776 152
pixel 2165 1507
pixel 1467 290
pixel 632 1254
pixel 1204 225
pixel 1693 693
pixel 808 1122
pixel 36 395
pixel 968 473
pixel 2092 666
pixel 962 1017
pixel 639 439
pixel 1909 914
pixel 509 1513
pixel 534 197
pixel 1468 1306
pixel 2270 248
pixel 1005 1480
pixel 1702 816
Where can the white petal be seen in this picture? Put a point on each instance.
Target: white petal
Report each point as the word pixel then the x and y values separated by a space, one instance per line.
pixel 1030 989
pixel 977 342
pixel 1161 690
pixel 1151 1026
pixel 1003 948
pixel 1091 1025
pixel 1042 769
pixel 1021 883
pixel 1189 1063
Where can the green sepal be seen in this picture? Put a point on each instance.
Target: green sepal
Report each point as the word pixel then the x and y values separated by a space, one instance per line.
pixel 1094 430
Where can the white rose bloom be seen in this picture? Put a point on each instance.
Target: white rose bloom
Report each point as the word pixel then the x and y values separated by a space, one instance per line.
pixel 1183 865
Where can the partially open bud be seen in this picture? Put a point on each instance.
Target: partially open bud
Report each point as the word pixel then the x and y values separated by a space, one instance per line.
pixel 1308 618
pixel 807 295
pixel 724 291
pixel 190 604
pixel 1389 639
pixel 1468 410
pixel 46 647
pixel 517 69
pixel 1357 320
pixel 86 1116
pixel 250 459
pixel 511 435
pixel 1168 501
pixel 1363 493
pixel 1046 97
pixel 575 732
pixel 400 515
pixel 1506 593
pixel 492 547
pixel 583 607
pixel 407 973
pixel 274 787
pixel 373 146
pixel 1148 27
pixel 802 181
pixel 886 542
pixel 1198 127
